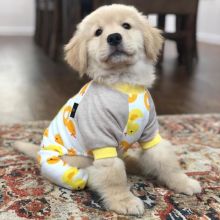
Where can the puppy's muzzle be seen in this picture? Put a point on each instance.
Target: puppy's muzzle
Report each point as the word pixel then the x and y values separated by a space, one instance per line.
pixel 114 39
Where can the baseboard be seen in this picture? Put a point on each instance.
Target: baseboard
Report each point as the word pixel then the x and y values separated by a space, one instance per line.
pixel 208 38
pixel 16 31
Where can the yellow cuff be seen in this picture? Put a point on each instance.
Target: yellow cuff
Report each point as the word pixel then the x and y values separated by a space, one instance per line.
pixel 105 152
pixel 156 140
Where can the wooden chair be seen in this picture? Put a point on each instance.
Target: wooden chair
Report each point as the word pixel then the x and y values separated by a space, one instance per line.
pixel 71 16
pixel 56 21
pixel 186 14
pixel 40 7
pixel 73 12
pixel 185 34
pixel 55 29
pixel 48 25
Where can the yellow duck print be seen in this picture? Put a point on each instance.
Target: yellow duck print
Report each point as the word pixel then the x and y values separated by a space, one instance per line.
pixel 46 132
pixel 135 114
pixel 71 152
pixel 83 90
pixel 125 145
pixel 54 148
pixel 68 179
pixel 79 184
pixel 132 97
pixel 53 160
pixel 39 159
pixel 67 122
pixel 132 126
pixel 58 139
pixel 146 101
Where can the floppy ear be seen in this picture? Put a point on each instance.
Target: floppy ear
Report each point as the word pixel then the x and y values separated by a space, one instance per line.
pixel 76 53
pixel 153 40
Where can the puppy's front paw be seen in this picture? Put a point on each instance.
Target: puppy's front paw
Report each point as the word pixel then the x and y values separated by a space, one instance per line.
pixel 186 185
pixel 190 187
pixel 125 204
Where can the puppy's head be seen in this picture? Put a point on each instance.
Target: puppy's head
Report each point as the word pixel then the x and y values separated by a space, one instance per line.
pixel 111 38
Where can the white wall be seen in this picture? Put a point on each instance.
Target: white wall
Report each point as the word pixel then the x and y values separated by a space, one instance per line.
pixel 209 21
pixel 17 17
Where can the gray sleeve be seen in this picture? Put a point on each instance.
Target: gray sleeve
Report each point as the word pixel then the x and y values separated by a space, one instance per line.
pixel 101 117
pixel 152 127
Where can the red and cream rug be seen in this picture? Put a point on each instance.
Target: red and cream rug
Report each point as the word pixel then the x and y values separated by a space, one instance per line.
pixel 24 194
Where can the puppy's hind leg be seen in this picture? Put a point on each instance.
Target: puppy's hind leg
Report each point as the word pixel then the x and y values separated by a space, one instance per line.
pixel 27 148
pixel 161 162
pixel 32 149
pixel 108 178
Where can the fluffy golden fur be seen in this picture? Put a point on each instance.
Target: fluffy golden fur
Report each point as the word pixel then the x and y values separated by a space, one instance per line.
pixel 141 44
pixel 131 62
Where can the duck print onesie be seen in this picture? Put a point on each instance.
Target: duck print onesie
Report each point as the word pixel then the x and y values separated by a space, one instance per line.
pixel 97 122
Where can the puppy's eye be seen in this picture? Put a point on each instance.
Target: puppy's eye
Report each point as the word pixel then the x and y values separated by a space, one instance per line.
pixel 98 32
pixel 126 26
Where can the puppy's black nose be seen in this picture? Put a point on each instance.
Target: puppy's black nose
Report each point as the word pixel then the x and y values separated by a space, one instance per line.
pixel 114 39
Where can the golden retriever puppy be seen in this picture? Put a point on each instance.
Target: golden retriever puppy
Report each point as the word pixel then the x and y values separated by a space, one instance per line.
pixel 117 48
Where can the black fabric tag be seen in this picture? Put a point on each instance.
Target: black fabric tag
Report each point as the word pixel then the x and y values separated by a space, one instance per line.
pixel 75 106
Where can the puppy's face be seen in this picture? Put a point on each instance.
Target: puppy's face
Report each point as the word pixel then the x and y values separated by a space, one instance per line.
pixel 112 37
pixel 115 41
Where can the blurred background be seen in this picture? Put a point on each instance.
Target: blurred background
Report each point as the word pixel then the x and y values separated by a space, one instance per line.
pixel 35 81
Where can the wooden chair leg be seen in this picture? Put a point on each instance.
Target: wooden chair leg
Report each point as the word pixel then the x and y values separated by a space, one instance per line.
pixel 37 22
pixel 86 7
pixel 196 54
pixel 181 25
pixel 39 29
pixel 190 44
pixel 46 26
pixel 55 39
pixel 195 49
pixel 195 46
pixel 161 19
pixel 180 41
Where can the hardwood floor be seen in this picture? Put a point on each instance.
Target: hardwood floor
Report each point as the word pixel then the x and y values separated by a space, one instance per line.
pixel 33 87
pixel 178 92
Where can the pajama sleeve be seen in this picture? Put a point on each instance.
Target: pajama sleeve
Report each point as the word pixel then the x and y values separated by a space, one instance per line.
pixel 150 136
pixel 56 170
pixel 100 121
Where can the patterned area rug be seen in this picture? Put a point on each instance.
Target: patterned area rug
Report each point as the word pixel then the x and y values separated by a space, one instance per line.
pixel 26 195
